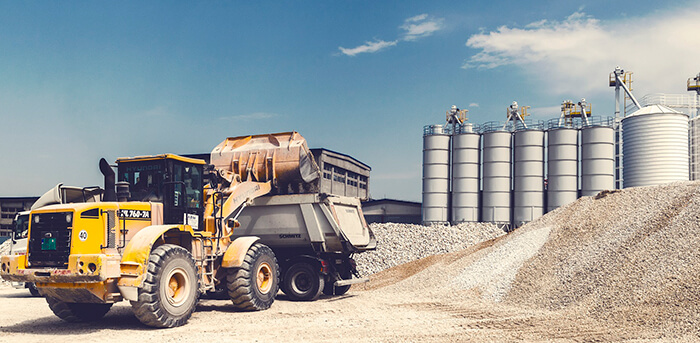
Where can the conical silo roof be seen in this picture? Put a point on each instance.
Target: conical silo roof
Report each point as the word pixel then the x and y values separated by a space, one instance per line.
pixel 653 109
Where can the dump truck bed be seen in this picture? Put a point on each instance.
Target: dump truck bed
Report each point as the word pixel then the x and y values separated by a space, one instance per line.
pixel 326 223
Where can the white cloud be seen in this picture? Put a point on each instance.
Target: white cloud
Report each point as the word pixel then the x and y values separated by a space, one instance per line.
pixel 474 104
pixel 420 26
pixel 577 54
pixel 368 47
pixel 417 18
pixel 414 28
pixel 252 116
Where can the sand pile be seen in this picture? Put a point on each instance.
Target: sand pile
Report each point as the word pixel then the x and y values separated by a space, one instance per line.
pixel 627 256
pixel 627 259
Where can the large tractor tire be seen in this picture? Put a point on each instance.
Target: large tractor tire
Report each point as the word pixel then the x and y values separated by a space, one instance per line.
pixel 169 294
pixel 254 285
pixel 331 289
pixel 77 312
pixel 302 282
pixel 31 286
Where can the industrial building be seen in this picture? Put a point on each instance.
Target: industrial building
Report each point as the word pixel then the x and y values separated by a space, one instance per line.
pixel 391 211
pixel 510 173
pixel 342 174
pixel 9 206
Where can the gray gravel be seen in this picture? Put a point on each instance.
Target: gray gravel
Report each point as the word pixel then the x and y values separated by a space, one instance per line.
pixel 5 247
pixel 495 272
pixel 629 256
pixel 401 243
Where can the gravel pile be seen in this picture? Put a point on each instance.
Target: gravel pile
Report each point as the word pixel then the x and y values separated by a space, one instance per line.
pixel 4 250
pixel 5 247
pixel 494 272
pixel 402 243
pixel 628 256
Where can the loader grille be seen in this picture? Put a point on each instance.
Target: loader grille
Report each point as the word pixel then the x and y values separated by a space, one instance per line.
pixel 49 239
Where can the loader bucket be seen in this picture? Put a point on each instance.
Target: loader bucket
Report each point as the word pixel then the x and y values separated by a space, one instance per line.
pixel 283 158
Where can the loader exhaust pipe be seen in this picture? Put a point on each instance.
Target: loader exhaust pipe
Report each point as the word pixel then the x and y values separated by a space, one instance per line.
pixel 110 193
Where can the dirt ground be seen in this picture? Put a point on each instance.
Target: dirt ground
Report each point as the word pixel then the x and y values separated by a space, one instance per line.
pixel 382 311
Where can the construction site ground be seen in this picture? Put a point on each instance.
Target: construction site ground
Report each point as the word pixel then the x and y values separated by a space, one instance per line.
pixel 361 316
pixel 620 266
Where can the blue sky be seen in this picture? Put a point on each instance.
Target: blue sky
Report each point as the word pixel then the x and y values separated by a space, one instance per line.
pixel 84 80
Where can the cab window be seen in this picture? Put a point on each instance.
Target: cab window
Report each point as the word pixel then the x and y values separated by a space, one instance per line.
pixel 188 185
pixel 145 180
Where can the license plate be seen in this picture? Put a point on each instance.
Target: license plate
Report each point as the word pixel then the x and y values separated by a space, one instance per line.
pixel 48 244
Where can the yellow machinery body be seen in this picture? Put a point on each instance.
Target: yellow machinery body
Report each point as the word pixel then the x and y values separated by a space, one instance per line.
pixel 100 251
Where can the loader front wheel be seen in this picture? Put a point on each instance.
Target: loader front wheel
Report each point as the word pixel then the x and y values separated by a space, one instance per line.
pixel 254 285
pixel 77 312
pixel 302 282
pixel 169 293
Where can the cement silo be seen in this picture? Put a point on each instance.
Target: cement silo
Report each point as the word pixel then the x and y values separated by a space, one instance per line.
pixel 465 175
pixel 562 167
pixel 495 205
pixel 597 159
pixel 436 175
pixel 655 146
pixel 528 176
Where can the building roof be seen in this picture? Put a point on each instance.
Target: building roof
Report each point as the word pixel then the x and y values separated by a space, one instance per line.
pixel 8 199
pixel 393 201
pixel 654 109
pixel 318 151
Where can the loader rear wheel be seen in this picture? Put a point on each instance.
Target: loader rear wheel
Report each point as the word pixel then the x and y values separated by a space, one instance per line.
pixel 77 312
pixel 169 293
pixel 302 282
pixel 254 285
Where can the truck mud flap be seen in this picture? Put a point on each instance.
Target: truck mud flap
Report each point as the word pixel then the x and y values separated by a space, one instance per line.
pixel 355 281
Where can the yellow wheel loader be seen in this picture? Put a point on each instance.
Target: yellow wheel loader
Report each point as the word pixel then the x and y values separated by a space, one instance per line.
pixel 163 234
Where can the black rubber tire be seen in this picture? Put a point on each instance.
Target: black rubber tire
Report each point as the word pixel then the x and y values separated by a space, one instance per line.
pixel 303 282
pixel 77 312
pixel 254 286
pixel 169 293
pixel 31 286
pixel 331 289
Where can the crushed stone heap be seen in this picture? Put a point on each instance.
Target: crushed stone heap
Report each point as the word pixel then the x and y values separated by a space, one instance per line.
pixel 402 243
pixel 629 256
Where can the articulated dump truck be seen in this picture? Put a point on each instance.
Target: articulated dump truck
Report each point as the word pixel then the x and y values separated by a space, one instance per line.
pixel 174 228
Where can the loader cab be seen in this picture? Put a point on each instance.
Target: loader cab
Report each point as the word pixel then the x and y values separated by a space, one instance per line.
pixel 174 181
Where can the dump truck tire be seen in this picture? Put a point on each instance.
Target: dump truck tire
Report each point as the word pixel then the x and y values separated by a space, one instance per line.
pixel 303 282
pixel 331 289
pixel 169 293
pixel 254 285
pixel 31 286
pixel 77 312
